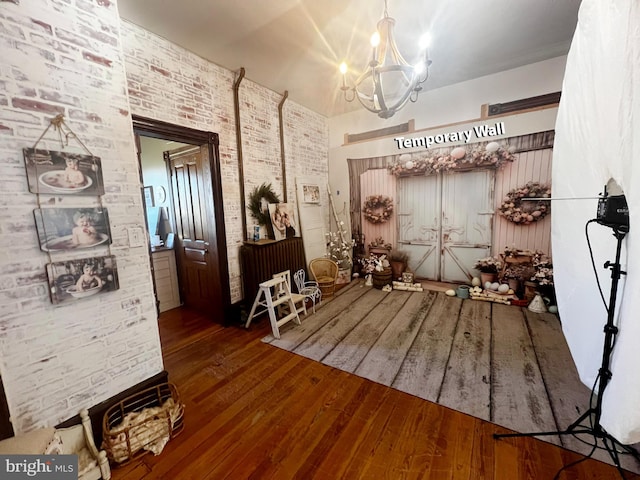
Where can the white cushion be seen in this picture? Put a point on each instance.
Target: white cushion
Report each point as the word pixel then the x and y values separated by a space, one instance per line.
pixel 30 443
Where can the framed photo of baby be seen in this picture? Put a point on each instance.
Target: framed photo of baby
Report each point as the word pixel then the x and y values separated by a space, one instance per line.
pixel 62 173
pixel 62 229
pixel 283 220
pixel 73 280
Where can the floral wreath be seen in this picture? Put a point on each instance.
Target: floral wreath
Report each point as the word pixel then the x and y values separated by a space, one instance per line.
pixel 378 208
pixel 516 210
pixel 255 202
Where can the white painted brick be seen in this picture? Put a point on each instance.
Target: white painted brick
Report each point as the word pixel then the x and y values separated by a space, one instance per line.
pixel 114 337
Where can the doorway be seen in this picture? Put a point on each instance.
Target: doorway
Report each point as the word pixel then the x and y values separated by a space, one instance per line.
pixel 195 211
pixel 445 223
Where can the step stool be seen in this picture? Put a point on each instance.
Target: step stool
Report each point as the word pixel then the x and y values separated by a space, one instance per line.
pixel 272 300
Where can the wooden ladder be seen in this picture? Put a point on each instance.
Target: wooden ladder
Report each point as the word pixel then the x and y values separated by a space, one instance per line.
pixel 269 302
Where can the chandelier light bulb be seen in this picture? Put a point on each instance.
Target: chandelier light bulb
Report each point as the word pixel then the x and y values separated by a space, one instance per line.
pixel 343 68
pixel 388 81
pixel 425 41
pixel 375 39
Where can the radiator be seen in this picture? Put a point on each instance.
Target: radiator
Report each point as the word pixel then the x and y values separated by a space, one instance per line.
pixel 260 260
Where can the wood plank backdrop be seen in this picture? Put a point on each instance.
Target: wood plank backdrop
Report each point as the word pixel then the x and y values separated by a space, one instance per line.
pixel 500 363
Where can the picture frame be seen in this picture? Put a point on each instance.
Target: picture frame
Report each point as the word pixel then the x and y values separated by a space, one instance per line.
pixel 74 280
pixel 407 277
pixel 149 199
pixel 61 229
pixel 283 221
pixel 63 173
pixel 311 194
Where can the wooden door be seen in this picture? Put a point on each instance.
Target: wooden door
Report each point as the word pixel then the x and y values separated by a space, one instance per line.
pixel 196 248
pixel 419 224
pixel 467 219
pixel 445 223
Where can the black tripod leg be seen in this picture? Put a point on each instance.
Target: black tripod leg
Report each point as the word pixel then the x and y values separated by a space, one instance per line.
pixel 569 430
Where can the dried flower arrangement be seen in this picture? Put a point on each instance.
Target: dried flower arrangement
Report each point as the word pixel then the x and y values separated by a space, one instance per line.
pixel 426 164
pixel 543 269
pixel 339 249
pixel 488 265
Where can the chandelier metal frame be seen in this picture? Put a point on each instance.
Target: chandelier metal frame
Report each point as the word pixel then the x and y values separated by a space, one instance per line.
pixel 372 91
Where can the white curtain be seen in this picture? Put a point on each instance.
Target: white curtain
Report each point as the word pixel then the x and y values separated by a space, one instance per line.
pixel 598 139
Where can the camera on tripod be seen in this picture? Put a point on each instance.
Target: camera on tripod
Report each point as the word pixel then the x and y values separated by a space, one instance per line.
pixel 613 211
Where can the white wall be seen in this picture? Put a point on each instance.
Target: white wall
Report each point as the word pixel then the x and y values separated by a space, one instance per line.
pixel 66 57
pixel 454 103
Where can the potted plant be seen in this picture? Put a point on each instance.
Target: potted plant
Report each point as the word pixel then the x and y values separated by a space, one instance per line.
pixel 515 274
pixel 543 275
pixel 398 260
pixel 488 267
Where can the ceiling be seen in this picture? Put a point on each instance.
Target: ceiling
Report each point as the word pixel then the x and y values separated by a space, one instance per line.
pixel 297 45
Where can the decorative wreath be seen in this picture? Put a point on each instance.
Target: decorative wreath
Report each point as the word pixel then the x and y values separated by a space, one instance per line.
pixel 524 212
pixel 255 202
pixel 378 208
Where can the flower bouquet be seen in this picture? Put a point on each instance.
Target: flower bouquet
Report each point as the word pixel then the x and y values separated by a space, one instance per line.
pixel 488 265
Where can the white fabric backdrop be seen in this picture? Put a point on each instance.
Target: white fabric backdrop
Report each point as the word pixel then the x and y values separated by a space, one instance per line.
pixel 598 138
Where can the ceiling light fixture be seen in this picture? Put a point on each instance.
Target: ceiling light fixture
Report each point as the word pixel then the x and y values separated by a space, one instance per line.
pixel 389 81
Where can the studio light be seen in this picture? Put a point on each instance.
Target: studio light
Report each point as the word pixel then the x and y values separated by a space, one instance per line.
pixel 388 81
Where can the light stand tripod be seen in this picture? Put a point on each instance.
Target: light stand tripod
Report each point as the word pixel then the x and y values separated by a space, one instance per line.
pixel 604 375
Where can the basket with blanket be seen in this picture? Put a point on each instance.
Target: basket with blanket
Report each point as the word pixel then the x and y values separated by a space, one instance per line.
pixel 142 423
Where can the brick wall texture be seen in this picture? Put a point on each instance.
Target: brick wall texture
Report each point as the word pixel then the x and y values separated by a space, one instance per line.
pixel 78 58
pixel 169 83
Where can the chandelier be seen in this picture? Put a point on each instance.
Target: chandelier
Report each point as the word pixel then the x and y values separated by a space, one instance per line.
pixel 389 80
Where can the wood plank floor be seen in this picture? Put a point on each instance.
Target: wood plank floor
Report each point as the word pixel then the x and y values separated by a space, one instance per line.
pixel 258 412
pixel 500 363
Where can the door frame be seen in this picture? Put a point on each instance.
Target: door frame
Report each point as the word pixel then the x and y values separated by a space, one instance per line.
pixel 148 127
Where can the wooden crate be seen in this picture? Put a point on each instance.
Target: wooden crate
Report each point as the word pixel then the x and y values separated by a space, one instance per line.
pixel 142 423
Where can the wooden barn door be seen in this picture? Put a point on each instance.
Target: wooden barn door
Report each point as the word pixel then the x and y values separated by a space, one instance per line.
pixel 445 223
pixel 467 218
pixel 419 231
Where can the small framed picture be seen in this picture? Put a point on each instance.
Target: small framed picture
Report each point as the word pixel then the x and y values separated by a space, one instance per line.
pixel 407 277
pixel 62 229
pixel 311 193
pixel 53 172
pixel 149 200
pixel 73 280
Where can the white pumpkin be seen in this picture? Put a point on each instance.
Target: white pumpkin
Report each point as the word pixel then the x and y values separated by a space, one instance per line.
pixel 476 282
pixel 451 293
pixel 495 286
pixel 487 285
pixel 504 288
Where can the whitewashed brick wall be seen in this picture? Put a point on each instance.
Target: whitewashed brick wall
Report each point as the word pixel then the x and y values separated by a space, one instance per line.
pixel 65 57
pixel 174 85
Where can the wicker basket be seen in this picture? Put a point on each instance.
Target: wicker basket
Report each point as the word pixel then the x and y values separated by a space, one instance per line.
pixel 380 279
pixel 142 423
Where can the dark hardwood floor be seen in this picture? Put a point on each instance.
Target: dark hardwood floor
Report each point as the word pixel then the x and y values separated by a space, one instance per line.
pixel 254 411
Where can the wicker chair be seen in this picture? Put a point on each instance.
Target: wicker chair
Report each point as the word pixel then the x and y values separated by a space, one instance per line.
pixel 325 272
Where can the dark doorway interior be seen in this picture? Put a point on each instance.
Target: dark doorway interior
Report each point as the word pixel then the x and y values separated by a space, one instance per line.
pixel 195 190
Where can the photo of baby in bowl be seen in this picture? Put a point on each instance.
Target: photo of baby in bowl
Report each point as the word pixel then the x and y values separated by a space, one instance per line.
pixel 80 279
pixel 65 173
pixel 72 228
